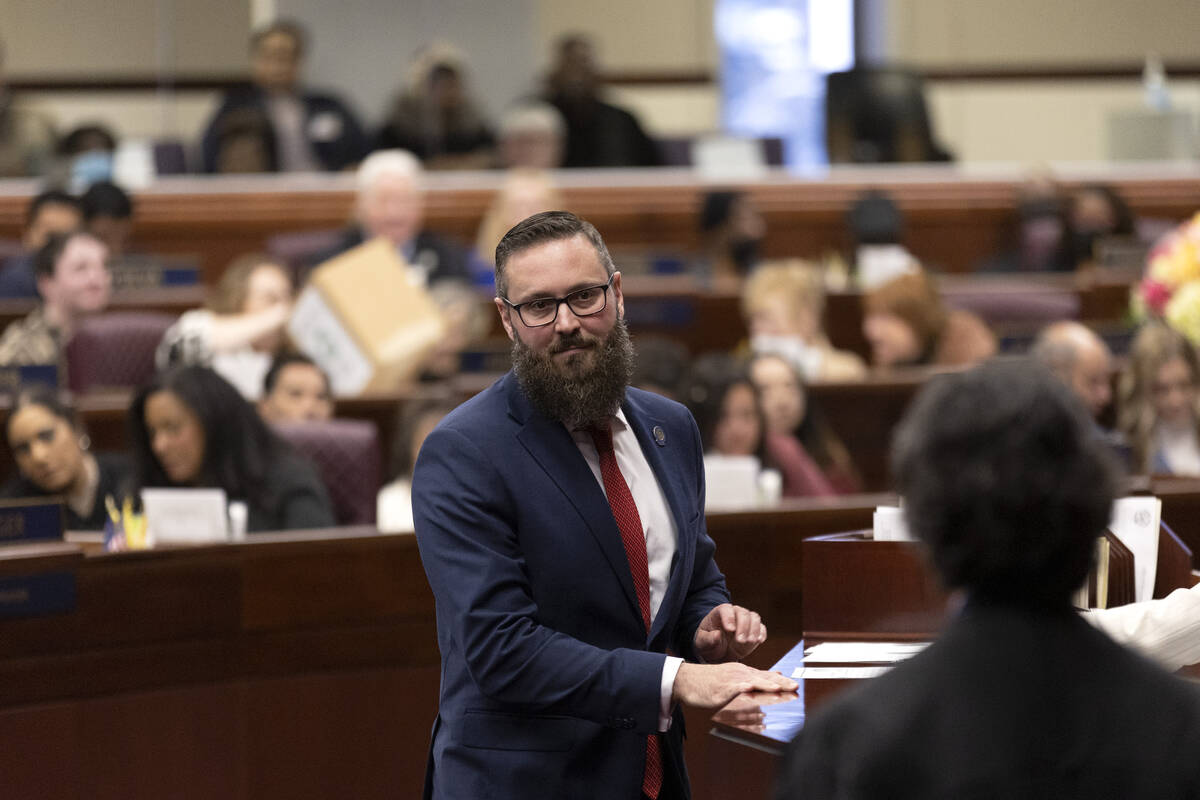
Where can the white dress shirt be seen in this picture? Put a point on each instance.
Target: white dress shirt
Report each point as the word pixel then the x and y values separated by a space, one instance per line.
pixel 658 526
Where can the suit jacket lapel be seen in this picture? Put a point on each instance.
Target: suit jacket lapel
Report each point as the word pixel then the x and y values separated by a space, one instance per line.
pixel 549 443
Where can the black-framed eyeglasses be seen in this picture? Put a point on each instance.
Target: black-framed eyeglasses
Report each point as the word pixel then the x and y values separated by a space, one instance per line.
pixel 544 310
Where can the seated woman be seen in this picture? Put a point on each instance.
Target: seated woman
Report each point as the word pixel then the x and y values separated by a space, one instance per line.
pixel 241 330
pixel 190 427
pixel 794 420
pixel 435 118
pixel 52 454
pixel 719 393
pixel 783 303
pixel 906 324
pixel 393 508
pixel 1160 403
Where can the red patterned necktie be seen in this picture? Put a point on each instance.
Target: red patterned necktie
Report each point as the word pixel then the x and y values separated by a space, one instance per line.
pixel 630 524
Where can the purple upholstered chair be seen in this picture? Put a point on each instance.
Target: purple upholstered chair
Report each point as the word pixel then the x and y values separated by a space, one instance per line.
pixel 115 350
pixel 346 455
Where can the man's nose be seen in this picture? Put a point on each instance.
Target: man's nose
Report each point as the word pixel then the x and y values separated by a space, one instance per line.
pixel 566 321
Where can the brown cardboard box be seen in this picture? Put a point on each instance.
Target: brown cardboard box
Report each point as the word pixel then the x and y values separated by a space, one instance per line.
pixel 364 321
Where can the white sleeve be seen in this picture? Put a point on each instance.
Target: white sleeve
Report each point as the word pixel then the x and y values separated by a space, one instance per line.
pixel 666 689
pixel 1166 630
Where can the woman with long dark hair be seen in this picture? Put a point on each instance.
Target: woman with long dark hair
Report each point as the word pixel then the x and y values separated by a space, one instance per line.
pixel 191 427
pixel 54 458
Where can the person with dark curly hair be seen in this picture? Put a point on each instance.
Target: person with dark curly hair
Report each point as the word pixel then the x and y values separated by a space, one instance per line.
pixel 191 427
pixel 1008 489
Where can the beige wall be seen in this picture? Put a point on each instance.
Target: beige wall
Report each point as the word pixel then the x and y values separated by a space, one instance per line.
pixel 939 32
pixel 633 35
pixel 363 44
pixel 45 38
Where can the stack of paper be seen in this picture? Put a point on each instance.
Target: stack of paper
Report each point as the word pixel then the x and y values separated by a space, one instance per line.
pixel 862 652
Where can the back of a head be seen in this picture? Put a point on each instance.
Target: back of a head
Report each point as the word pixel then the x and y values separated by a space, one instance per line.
pixel 1059 344
pixel 875 219
pixel 106 199
pixel 1004 481
pixel 716 209
pixel 914 298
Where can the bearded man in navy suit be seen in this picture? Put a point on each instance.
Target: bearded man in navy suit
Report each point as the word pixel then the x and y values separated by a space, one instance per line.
pixel 560 518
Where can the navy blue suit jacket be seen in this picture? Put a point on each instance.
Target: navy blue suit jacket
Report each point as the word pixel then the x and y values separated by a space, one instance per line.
pixel 550 683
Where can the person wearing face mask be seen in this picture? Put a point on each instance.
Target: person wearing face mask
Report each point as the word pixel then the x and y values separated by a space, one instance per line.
pixel 1159 392
pixel 242 328
pixel 732 231
pixel 782 304
pixel 190 428
pixel 53 457
pixel 73 281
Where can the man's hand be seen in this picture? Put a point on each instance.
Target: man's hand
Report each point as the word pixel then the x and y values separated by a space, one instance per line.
pixel 729 633
pixel 714 685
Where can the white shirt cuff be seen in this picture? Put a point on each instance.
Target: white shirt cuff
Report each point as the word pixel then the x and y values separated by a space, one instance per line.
pixel 670 669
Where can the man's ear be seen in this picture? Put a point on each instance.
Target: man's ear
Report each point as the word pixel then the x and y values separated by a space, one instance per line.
pixel 505 318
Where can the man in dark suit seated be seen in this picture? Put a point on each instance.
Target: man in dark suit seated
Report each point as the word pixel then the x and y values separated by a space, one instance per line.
pixel 599 134
pixel 391 204
pixel 303 130
pixel 560 517
pixel 1008 488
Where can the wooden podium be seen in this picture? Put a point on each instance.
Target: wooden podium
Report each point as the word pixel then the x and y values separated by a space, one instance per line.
pixel 859 589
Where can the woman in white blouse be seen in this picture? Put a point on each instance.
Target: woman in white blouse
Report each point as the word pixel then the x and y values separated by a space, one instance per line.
pixel 1159 396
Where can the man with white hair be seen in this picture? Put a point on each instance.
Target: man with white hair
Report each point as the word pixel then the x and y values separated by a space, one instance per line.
pixel 391 204
pixel 531 137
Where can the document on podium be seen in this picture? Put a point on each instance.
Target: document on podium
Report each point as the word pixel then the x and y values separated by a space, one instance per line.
pixel 837 673
pixel 1135 521
pixel 862 652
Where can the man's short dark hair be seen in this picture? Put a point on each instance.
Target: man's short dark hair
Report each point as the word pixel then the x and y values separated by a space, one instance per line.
pixel 47 256
pixel 548 226
pixel 288 27
pixel 1005 482
pixel 50 197
pixel 106 199
pixel 282 362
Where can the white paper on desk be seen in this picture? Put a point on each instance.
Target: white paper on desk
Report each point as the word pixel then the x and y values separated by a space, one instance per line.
pixel 731 482
pixel 837 673
pixel 1135 521
pixel 185 516
pixel 862 652
pixel 889 525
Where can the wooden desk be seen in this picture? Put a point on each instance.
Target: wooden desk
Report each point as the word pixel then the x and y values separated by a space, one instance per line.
pixel 305 664
pixel 300 665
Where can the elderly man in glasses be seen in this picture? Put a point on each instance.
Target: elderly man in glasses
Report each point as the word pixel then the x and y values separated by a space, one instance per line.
pixel 560 520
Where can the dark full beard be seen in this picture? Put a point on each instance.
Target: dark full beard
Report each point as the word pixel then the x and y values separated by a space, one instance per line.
pixel 578 396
